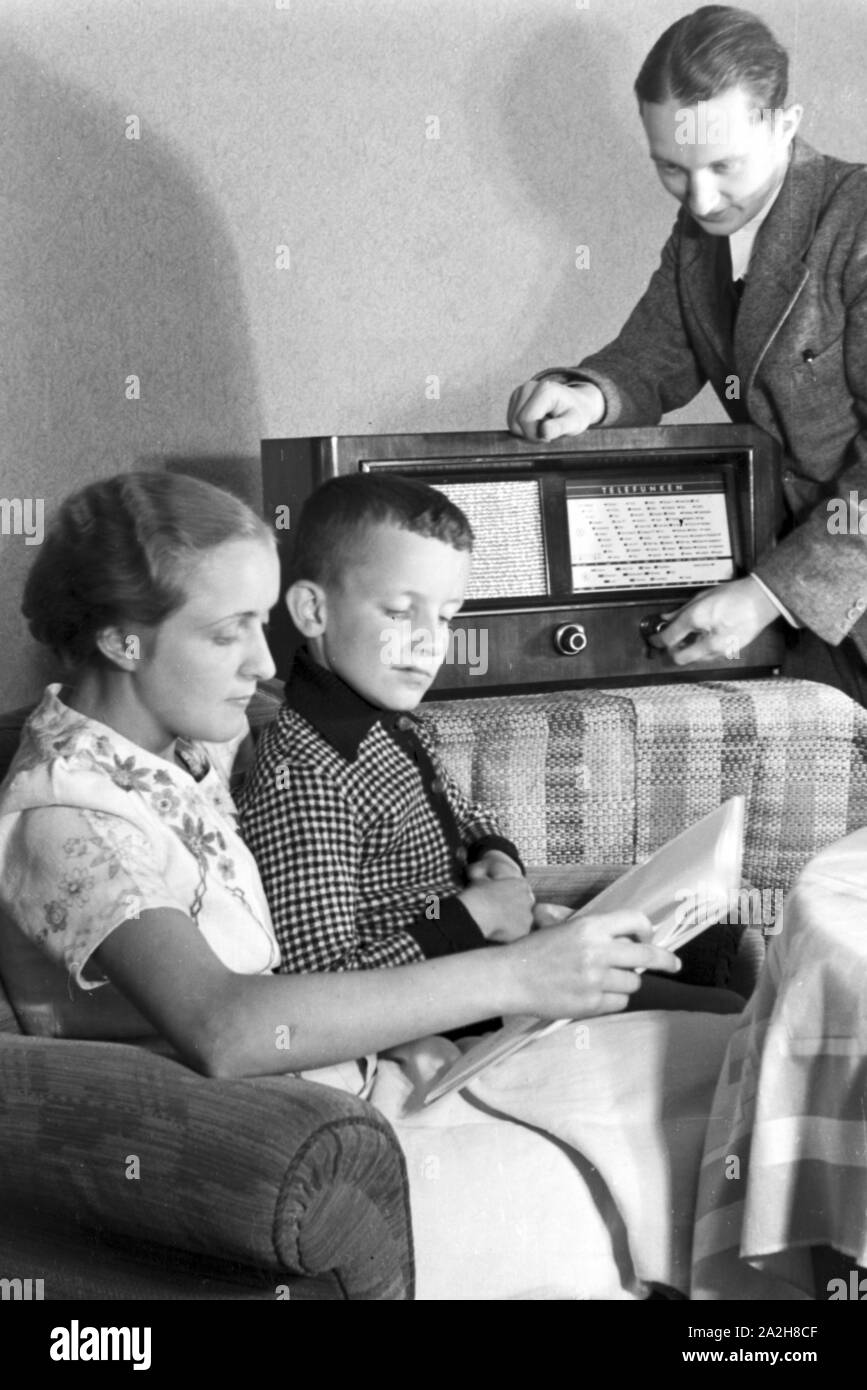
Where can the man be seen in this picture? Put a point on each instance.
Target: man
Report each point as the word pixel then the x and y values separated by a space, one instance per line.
pixel 761 290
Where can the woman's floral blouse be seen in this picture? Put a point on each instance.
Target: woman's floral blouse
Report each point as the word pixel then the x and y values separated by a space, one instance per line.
pixel 94 831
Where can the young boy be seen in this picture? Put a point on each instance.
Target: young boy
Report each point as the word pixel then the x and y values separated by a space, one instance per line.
pixel 370 854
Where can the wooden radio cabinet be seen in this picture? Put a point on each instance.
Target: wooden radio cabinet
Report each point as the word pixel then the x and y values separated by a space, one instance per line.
pixel 581 544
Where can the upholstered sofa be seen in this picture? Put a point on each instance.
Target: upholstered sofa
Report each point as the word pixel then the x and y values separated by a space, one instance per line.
pixel 123 1174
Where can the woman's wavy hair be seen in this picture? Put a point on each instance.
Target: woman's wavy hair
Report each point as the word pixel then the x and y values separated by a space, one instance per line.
pixel 118 553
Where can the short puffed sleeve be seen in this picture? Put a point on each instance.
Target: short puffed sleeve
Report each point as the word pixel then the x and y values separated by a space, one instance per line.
pixel 71 875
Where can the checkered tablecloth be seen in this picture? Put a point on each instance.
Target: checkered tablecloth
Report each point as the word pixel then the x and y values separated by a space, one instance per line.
pixel 785 1158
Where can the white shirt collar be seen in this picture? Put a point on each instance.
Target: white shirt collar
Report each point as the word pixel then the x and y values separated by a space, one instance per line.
pixel 741 241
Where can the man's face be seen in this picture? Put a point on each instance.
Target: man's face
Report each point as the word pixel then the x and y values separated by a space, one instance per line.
pixel 720 158
pixel 387 623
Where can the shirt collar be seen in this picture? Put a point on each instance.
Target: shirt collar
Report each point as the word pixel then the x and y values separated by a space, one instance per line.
pixel 337 712
pixel 741 241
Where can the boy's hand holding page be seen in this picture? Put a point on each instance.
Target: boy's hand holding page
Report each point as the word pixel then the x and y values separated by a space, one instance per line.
pixel 683 888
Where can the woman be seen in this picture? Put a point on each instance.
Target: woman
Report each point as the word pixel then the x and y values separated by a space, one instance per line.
pixel 119 857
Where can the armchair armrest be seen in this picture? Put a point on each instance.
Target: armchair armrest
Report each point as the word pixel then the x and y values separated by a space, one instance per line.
pixel 281 1174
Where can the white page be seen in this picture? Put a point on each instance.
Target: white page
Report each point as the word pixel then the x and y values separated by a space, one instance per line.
pixel 683 888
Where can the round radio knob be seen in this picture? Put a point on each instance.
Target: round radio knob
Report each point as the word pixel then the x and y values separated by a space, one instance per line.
pixel 652 625
pixel 570 639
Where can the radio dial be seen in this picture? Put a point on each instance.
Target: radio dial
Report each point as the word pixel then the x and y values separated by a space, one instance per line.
pixel 570 639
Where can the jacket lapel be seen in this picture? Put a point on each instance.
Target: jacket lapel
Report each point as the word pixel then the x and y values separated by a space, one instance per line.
pixel 777 273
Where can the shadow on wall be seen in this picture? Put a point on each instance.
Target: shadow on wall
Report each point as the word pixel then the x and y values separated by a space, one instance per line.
pixel 573 143
pixel 569 132
pixel 555 141
pixel 117 266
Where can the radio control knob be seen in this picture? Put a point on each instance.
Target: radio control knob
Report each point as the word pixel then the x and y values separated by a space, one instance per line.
pixel 570 639
pixel 652 625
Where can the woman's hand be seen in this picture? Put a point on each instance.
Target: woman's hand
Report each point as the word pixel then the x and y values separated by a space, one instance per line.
pixel 585 966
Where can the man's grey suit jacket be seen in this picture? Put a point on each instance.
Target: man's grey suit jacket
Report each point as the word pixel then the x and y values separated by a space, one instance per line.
pixel 800 359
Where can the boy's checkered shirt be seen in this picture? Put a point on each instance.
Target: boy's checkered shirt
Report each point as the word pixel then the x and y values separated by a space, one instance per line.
pixel 361 837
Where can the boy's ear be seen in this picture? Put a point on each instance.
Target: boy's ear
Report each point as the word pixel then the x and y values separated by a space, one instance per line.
pixel 307 607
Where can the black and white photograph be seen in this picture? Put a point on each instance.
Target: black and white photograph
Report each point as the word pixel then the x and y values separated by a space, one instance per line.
pixel 433 696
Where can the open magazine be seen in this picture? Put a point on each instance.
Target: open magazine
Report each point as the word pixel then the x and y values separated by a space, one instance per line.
pixel 683 888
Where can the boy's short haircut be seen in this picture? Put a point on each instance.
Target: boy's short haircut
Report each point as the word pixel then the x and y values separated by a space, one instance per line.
pixel 710 51
pixel 335 518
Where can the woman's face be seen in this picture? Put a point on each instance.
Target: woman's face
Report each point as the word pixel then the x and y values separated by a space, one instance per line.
pixel 198 669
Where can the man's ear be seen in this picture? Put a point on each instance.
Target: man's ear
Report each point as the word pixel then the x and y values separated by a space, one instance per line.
pixel 307 607
pixel 123 649
pixel 789 120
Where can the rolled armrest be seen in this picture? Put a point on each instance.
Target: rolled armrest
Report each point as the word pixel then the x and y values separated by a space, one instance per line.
pixel 282 1174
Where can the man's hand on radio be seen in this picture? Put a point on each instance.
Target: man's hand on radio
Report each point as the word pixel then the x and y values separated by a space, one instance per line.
pixel 502 908
pixel 548 408
pixel 720 622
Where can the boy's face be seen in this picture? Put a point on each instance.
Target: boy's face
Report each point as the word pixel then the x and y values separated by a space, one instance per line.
pixel 386 624
pixel 718 157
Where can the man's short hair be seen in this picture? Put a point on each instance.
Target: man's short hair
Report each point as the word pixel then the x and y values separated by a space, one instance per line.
pixel 709 52
pixel 335 518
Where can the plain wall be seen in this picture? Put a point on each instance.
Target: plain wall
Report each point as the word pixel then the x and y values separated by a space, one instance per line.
pixel 304 124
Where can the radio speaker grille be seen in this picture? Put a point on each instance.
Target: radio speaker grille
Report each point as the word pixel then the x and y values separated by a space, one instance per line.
pixel 509 554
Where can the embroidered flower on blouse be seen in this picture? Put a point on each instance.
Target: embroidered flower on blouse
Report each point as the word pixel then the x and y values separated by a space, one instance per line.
pixel 197 839
pixel 64 744
pixel 76 885
pixel 166 803
pixel 225 868
pixel 55 915
pixel 127 776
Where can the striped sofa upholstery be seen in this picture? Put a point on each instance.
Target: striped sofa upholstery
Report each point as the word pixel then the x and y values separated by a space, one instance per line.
pixel 607 776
